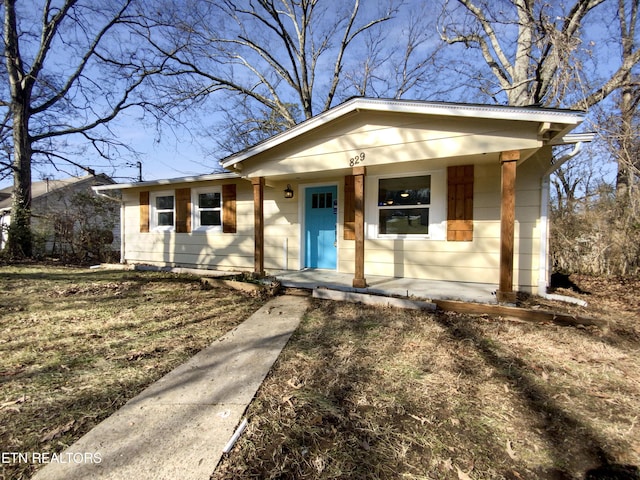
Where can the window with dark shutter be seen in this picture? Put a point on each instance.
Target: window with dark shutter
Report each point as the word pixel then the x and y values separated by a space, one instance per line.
pixel 183 210
pixel 229 208
pixel 144 212
pixel 460 203
pixel 349 208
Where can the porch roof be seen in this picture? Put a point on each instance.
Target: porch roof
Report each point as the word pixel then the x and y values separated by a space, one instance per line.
pixel 169 181
pixel 555 123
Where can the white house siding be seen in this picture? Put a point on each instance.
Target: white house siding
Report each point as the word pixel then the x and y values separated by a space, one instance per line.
pixel 281 228
pixel 436 259
pixel 405 145
pixel 439 259
pixel 527 244
pixel 386 143
pixel 390 138
pixel 216 250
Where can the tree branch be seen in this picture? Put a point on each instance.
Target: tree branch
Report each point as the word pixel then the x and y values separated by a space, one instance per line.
pixel 91 51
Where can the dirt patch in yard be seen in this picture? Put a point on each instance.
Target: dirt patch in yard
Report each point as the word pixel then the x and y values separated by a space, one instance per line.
pixel 365 392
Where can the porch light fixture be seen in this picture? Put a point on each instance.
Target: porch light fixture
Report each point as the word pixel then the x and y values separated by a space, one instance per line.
pixel 404 194
pixel 288 192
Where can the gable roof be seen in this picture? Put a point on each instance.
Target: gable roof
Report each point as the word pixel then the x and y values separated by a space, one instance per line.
pixel 45 187
pixel 559 121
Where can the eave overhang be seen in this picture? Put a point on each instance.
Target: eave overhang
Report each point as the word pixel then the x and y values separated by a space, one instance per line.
pixel 553 123
pixel 169 181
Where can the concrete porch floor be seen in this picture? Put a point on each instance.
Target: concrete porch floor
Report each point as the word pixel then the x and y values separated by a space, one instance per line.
pixel 404 287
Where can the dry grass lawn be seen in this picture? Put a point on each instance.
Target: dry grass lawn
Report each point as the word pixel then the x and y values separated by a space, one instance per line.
pixel 359 392
pixel 371 393
pixel 76 344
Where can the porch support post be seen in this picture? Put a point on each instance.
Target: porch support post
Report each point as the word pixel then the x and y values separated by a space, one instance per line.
pixel 258 214
pixel 508 161
pixel 358 186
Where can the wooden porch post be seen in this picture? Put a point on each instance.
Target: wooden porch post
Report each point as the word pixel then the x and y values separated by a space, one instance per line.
pixel 358 184
pixel 508 161
pixel 258 214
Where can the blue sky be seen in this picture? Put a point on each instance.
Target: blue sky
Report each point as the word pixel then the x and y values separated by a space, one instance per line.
pixel 178 152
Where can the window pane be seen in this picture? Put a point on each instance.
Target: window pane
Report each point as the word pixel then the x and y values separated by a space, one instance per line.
pixel 404 191
pixel 165 219
pixel 209 200
pixel 210 217
pixel 406 221
pixel 165 202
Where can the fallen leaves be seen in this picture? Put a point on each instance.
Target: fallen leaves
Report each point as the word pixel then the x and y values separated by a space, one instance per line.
pixel 462 475
pixel 11 405
pixel 510 451
pixel 422 420
pixel 12 373
pixel 295 383
pixel 57 432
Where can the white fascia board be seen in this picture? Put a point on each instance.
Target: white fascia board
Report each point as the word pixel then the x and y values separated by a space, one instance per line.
pixel 169 181
pixel 497 112
pixel 571 118
pixel 574 138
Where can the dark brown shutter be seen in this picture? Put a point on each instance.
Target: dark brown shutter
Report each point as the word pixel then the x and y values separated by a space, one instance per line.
pixel 183 210
pixel 349 208
pixel 460 203
pixel 229 208
pixel 144 212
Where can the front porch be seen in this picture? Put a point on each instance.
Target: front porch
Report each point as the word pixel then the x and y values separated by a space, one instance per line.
pixel 390 286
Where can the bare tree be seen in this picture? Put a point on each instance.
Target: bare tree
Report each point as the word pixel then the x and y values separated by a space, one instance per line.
pixel 626 136
pixel 278 61
pixel 560 54
pixel 69 71
pixel 536 50
pixel 399 57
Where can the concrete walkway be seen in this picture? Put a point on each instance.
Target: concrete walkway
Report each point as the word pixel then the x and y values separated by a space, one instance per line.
pixel 178 427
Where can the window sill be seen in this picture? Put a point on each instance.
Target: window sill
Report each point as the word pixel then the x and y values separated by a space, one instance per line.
pixel 207 230
pixel 402 237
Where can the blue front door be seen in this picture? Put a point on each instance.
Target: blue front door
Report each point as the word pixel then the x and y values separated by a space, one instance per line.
pixel 321 213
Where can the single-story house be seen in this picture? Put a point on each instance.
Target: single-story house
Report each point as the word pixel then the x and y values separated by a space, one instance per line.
pixel 413 189
pixel 58 207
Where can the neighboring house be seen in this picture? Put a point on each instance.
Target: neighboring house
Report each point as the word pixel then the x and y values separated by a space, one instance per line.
pixel 442 191
pixel 58 208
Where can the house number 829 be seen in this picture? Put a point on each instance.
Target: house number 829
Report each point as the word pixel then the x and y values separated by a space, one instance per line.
pixel 357 160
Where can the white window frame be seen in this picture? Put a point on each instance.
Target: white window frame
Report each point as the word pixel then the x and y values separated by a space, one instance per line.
pixel 155 211
pixel 437 207
pixel 195 209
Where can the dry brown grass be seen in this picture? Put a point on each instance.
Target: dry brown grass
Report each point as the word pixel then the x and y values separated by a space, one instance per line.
pixel 77 344
pixel 359 392
pixel 363 392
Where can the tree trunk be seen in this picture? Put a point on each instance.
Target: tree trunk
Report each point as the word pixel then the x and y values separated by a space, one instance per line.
pixel 19 243
pixel 628 104
pixel 624 174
